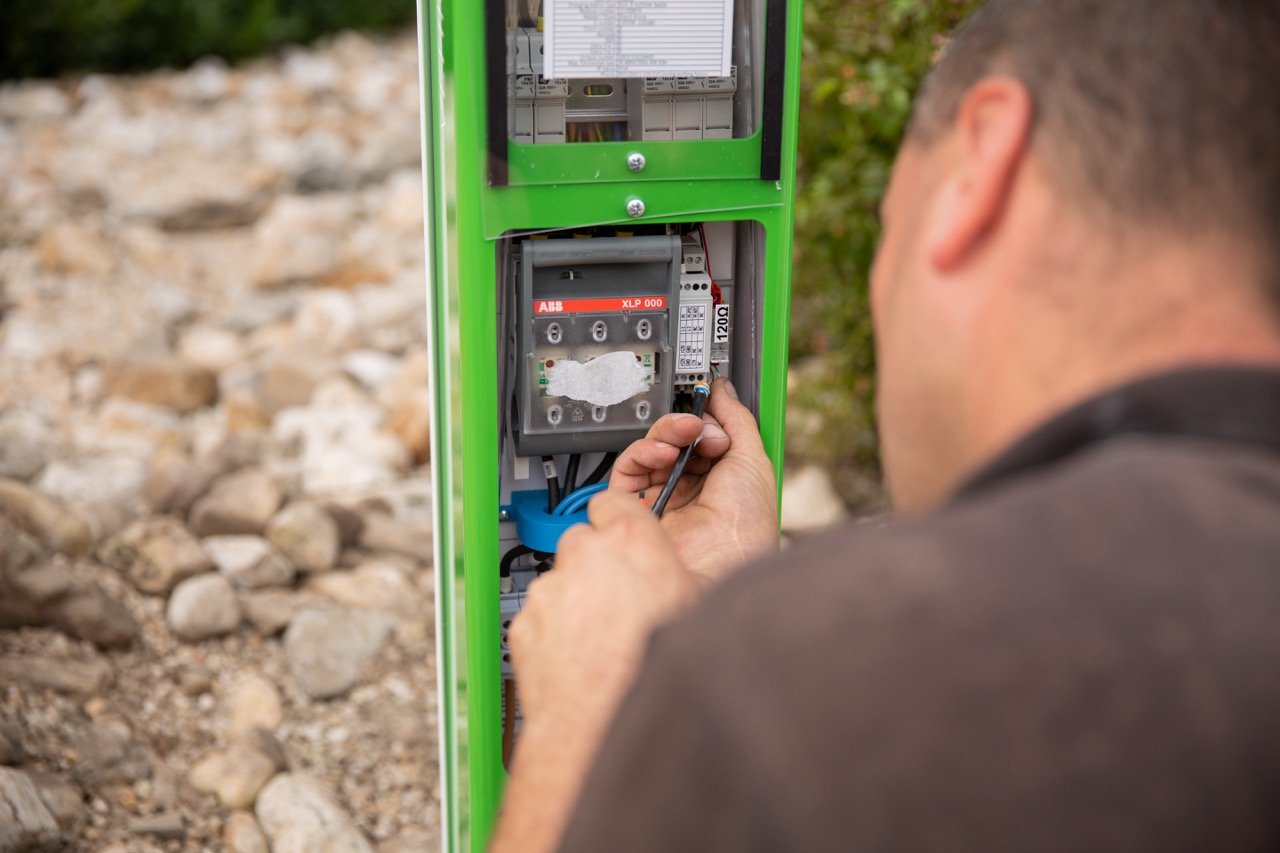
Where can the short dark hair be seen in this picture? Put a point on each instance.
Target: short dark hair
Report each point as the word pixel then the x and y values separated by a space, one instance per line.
pixel 1156 111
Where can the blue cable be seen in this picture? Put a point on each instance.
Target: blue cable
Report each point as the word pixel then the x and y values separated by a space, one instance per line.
pixel 579 499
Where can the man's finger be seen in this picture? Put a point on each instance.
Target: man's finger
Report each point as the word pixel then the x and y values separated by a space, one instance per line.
pixel 735 418
pixel 610 508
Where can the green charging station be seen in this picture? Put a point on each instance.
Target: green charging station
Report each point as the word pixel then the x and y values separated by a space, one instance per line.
pixel 609 194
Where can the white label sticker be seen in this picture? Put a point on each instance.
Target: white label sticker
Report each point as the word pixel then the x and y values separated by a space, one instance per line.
pixel 720 326
pixel 605 381
pixel 691 340
pixel 637 38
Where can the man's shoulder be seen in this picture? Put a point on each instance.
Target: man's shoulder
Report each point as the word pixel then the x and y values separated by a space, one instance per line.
pixel 1123 516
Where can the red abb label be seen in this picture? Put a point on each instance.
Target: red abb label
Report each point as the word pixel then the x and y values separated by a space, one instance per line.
pixel 595 306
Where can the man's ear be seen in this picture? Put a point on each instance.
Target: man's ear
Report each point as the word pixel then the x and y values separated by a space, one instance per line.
pixel 990 136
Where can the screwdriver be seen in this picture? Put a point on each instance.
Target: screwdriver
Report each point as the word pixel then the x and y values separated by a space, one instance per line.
pixel 701 394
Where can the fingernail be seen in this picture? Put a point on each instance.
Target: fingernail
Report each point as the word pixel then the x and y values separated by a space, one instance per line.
pixel 662 444
pixel 713 431
pixel 730 390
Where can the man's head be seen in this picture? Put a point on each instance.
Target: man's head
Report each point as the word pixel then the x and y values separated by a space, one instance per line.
pixel 1090 190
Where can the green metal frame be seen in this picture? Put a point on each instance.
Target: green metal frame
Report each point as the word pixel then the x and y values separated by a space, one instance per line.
pixel 551 186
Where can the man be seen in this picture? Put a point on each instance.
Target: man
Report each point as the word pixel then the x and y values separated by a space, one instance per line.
pixel 1071 637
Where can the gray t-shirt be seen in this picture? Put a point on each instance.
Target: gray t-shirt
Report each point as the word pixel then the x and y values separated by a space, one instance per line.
pixel 1081 651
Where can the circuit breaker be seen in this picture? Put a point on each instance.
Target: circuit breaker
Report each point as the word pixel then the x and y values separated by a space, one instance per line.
pixel 597 317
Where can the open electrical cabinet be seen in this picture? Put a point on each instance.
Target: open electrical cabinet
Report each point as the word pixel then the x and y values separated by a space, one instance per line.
pixel 598 243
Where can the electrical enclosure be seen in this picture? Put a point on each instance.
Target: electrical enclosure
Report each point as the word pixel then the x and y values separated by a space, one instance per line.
pixel 596 247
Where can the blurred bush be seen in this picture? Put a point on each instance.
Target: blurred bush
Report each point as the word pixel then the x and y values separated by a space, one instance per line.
pixel 48 37
pixel 863 62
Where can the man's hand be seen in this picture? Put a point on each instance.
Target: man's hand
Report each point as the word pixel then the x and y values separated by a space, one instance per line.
pixel 576 646
pixel 724 512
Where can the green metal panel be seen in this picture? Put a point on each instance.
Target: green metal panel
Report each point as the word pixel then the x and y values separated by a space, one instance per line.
pixel 552 186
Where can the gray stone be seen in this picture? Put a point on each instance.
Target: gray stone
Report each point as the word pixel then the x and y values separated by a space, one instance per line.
pixel 175 481
pixel 383 532
pixel 202 607
pixel 327 650
pixel 243 835
pixel 26 444
pixel 26 822
pixel 307 535
pixel 240 502
pixel 91 614
pixel 108 755
pixel 250 562
pixel 373 585
pixel 301 815
pixel 167 825
pixel 57 526
pixel 11 751
pixel 63 799
pixel 83 678
pixel 269 611
pixel 155 554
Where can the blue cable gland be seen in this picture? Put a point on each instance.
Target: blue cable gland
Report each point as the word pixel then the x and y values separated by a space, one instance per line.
pixel 537 528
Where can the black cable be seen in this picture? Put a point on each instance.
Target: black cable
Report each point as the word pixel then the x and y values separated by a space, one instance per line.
pixel 571 474
pixel 553 483
pixel 509 560
pixel 601 470
pixel 701 393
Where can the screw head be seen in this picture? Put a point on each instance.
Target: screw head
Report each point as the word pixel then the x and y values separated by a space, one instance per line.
pixel 636 161
pixel 503 515
pixel 635 207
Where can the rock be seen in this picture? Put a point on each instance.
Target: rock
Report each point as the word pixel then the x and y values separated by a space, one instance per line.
pixel 339 449
pixel 11 751
pixel 269 611
pixel 26 444
pixel 234 776
pixel 202 607
pixel 83 678
pixel 155 554
pixel 63 799
pixel 307 535
pixel 25 821
pixel 253 703
pixel 108 755
pixel 288 379
pixel 243 835
pixel 412 841
pixel 810 502
pixel 373 585
pixel 370 367
pixel 175 481
pixel 74 248
pixel 91 614
pixel 107 489
pixel 50 521
pixel 408 401
pixel 327 322
pixel 300 815
pixel 383 532
pixel 167 825
pixel 299 240
pixel 211 348
pixel 240 502
pixel 169 383
pixel 327 650
pixel 250 562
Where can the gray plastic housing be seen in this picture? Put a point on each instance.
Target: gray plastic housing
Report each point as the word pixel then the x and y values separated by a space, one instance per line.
pixel 579 300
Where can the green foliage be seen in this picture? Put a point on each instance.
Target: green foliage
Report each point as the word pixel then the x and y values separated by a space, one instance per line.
pixel 863 62
pixel 48 37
